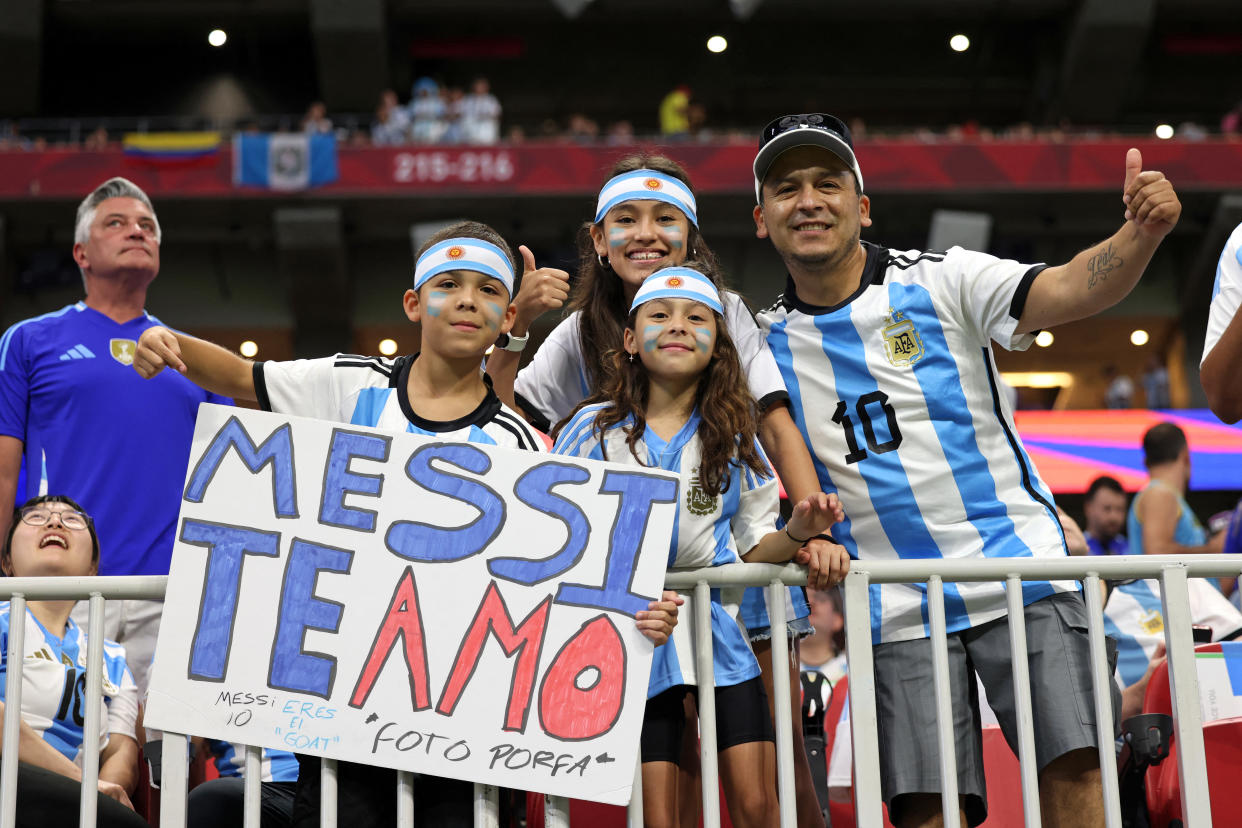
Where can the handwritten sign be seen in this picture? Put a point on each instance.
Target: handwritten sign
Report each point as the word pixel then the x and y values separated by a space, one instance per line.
pixel 453 609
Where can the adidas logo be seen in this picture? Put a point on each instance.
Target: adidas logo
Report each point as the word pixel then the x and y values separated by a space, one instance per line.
pixel 78 352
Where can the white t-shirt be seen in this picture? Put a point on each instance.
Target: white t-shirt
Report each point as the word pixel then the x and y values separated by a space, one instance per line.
pixel 1226 292
pixel 898 394
pixel 555 381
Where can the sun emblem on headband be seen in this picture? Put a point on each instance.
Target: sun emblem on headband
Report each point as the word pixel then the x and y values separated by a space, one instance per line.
pixel 653 184
pixel 455 253
pixel 673 281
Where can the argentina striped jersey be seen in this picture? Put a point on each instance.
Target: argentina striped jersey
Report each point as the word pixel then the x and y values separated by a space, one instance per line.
pixel 708 531
pixel 371 391
pixel 897 395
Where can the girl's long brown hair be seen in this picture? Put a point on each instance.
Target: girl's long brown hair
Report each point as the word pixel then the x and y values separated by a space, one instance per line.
pixel 728 413
pixel 598 293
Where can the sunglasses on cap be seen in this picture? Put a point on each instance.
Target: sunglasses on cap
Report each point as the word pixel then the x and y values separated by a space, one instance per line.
pixel 815 120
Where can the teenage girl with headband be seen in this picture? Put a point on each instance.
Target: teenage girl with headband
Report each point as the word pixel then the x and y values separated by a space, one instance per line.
pixel 646 218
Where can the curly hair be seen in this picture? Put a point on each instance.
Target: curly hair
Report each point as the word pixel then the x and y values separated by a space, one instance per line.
pixel 600 296
pixel 728 428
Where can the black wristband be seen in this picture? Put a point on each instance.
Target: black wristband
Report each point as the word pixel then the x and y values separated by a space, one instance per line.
pixel 828 538
pixel 792 538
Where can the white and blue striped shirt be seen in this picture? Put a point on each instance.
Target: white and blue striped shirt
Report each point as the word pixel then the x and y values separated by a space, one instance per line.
pixel 275 765
pixel 1226 291
pixel 54 685
pixel 896 393
pixel 708 531
pixel 371 391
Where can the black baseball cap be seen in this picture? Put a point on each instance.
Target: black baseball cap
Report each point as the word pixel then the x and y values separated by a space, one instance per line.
pixel 813 129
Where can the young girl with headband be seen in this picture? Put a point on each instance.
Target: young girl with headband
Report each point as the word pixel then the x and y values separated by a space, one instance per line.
pixel 646 218
pixel 677 399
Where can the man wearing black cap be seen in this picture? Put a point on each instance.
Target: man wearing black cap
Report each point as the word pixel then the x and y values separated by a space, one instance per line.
pixel 887 356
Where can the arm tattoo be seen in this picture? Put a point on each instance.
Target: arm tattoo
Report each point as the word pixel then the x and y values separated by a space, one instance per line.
pixel 1102 264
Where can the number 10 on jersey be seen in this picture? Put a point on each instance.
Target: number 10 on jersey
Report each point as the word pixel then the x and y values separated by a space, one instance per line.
pixel 867 409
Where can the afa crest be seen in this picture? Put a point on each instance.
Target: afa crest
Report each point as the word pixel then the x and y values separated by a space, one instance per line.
pixel 698 501
pixel 122 350
pixel 902 343
pixel 1152 622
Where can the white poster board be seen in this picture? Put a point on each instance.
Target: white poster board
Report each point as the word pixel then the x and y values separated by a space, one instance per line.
pixel 453 609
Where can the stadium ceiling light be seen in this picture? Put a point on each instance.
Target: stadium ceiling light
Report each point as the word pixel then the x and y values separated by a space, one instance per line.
pixel 248 349
pixel 1164 132
pixel 217 37
pixel 717 44
pixel 1044 339
pixel 959 43
pixel 388 347
pixel 1139 337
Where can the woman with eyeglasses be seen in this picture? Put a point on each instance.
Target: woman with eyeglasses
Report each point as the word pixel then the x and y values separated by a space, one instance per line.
pixel 51 536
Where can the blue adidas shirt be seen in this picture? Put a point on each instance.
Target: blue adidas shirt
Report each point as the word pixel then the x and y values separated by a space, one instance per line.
pixel 96 431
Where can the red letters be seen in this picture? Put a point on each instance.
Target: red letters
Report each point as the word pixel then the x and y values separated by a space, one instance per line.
pixel 526 641
pixel 569 712
pixel 402 620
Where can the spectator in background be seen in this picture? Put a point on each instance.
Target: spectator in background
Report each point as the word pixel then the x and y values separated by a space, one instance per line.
pixel 221 801
pixel 453 132
pixel 1160 521
pixel 392 122
pixel 52 536
pixel 86 424
pixel 1222 348
pixel 1120 391
pixel 582 130
pixel 675 113
pixel 1105 511
pixel 824 650
pixel 426 112
pixel 316 119
pixel 621 134
pixel 97 140
pixel 1156 383
pixel 480 114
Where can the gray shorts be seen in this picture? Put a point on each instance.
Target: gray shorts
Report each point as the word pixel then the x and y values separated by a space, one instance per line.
pixel 1059 657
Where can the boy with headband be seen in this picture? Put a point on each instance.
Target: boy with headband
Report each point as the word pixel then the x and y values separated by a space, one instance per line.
pixel 464 279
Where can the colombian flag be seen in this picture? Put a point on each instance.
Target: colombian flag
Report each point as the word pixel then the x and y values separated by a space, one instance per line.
pixel 171 148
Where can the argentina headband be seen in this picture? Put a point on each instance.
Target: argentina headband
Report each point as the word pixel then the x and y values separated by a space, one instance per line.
pixel 678 283
pixel 646 185
pixel 464 254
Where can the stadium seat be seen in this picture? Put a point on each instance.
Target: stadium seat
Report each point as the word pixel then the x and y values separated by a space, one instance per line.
pixel 1222 739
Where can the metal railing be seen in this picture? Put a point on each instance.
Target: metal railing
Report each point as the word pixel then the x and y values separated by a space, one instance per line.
pixel 1172 572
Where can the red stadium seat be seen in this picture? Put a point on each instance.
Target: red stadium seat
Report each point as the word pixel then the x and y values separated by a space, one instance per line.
pixel 1222 740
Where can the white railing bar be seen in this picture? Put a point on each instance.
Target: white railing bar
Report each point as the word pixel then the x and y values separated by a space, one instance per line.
pixel 779 627
pixel 556 811
pixel 405 799
pixel 634 811
pixel 327 792
pixel 486 806
pixel 863 726
pixel 173 781
pixel 949 804
pixel 252 813
pixel 1110 567
pixel 1184 684
pixel 12 710
pixel 111 587
pixel 1101 688
pixel 88 803
pixel 704 666
pixel 1027 761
